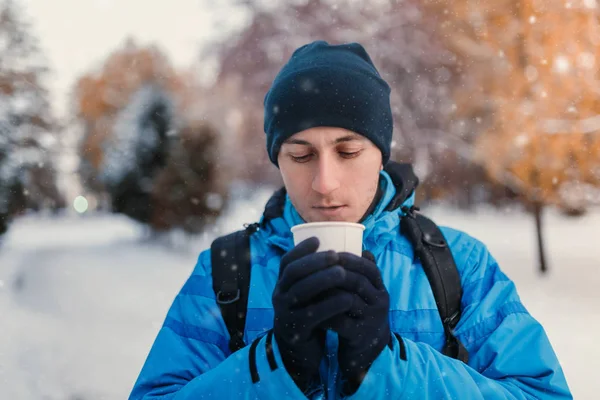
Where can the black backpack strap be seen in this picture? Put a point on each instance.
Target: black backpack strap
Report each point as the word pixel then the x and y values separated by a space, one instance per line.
pixel 231 266
pixel 436 258
pixel 230 259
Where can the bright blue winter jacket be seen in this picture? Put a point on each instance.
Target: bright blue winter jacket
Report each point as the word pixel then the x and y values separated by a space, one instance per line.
pixel 510 355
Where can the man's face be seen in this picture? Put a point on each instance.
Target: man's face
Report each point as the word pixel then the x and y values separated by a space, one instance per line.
pixel 331 174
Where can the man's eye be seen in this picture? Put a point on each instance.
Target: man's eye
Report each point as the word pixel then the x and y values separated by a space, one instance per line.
pixel 301 159
pixel 349 155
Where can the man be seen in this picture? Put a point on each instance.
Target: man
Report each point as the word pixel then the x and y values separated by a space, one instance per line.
pixel 329 325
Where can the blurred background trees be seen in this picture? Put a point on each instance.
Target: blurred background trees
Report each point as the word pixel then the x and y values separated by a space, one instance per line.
pixel 143 153
pixel 28 131
pixel 533 82
pixel 535 87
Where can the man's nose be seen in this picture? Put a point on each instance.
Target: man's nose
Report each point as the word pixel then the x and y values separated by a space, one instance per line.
pixel 326 178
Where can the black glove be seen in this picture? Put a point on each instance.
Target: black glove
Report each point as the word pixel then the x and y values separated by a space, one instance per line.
pixel 303 299
pixel 364 331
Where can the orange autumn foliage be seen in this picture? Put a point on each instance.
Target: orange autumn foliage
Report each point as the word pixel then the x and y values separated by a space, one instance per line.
pixel 530 69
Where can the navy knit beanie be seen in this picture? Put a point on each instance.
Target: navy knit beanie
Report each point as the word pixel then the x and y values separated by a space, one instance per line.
pixel 329 85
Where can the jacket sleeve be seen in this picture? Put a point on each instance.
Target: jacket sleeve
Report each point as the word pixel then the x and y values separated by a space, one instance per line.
pixel 510 354
pixel 190 358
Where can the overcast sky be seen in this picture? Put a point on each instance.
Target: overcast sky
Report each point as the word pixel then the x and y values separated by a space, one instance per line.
pixel 76 35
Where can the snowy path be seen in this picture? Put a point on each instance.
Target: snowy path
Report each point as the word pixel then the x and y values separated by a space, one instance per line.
pixel 82 298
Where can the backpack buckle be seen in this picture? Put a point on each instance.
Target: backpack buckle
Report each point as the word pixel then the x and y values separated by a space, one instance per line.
pixel 251 228
pixel 427 239
pixel 225 298
pixel 452 320
pixel 410 211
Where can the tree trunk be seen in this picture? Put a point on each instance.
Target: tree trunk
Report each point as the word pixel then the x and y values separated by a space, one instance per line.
pixel 537 211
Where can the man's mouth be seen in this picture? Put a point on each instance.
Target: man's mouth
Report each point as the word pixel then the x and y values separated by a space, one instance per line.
pixel 327 206
pixel 330 209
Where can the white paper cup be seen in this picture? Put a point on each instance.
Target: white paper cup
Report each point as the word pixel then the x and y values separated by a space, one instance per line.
pixel 336 236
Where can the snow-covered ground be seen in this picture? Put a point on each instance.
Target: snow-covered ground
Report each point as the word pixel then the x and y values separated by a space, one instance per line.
pixel 82 298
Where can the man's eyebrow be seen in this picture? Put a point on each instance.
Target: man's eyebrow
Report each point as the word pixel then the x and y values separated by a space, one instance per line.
pixel 342 139
pixel 297 141
pixel 349 138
